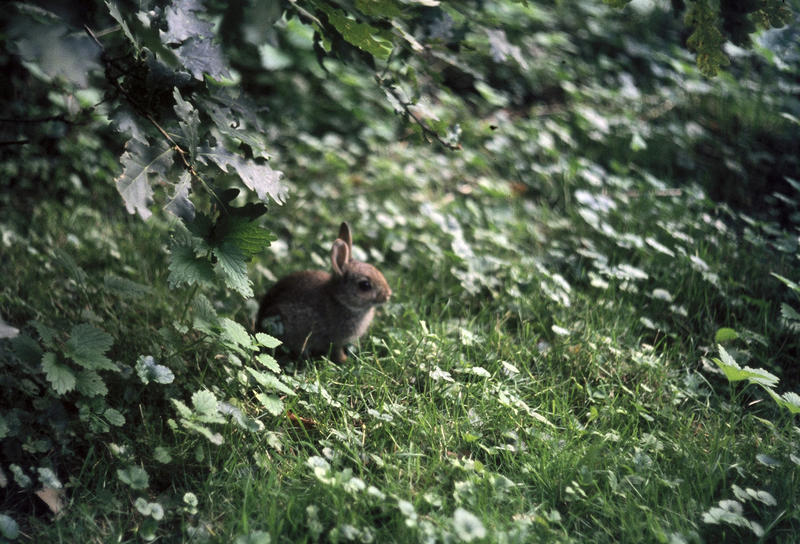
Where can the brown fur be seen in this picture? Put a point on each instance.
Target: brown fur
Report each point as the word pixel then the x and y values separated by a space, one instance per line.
pixel 320 310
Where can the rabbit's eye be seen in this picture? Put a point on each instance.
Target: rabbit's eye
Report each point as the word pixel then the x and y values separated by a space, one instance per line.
pixel 364 285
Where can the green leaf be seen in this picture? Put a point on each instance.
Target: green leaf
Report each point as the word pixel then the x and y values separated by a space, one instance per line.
pixel 185 268
pixel 254 537
pixel 259 177
pixel 161 454
pixel 234 268
pixel 90 384
pixel 205 403
pixel 361 35
pixel 182 409
pixel 114 417
pixel 273 404
pixel 148 370
pixel 179 203
pixel 789 283
pixel 269 361
pixel 267 341
pixel 134 476
pixel 725 335
pixel 236 335
pixel 139 162
pixel 113 10
pixel 269 381
pixel 707 39
pixel 214 438
pixel 735 373
pixel 8 527
pixel 60 376
pixel 245 233
pixel 86 346
pixel 125 288
pixel 189 122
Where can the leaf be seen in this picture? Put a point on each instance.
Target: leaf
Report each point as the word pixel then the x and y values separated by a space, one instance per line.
pixel 244 232
pixel 139 162
pixel 113 10
pixel 236 335
pixel 707 39
pixel 247 423
pixel 254 537
pixel 361 35
pixel 134 476
pixel 148 370
pixel 267 341
pixel 183 22
pixel 114 417
pixel 152 509
pixel 203 56
pixel 467 526
pixel 90 384
pixel 53 49
pixel 725 335
pixel 269 381
pixel 789 283
pixel 205 403
pixel 234 268
pixel 7 331
pixel 86 346
pixel 271 403
pixel 60 376
pixel 214 438
pixel 735 373
pixel 269 361
pixel 189 121
pixel 182 409
pixel 259 177
pixel 125 288
pixel 161 454
pixel 179 203
pixel 185 268
pixel 8 527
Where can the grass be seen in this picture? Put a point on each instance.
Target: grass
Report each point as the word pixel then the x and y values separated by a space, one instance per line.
pixel 542 373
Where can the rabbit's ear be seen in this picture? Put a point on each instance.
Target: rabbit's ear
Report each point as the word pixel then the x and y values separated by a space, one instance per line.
pixel 345 236
pixel 340 256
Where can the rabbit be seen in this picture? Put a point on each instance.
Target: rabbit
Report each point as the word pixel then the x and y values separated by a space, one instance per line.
pixel 311 311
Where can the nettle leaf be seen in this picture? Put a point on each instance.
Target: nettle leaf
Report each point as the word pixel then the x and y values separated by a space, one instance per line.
pixel 232 263
pixel 269 381
pixel 186 268
pixel 262 179
pixel 149 371
pixel 90 384
pixel 365 37
pixel 271 403
pixel 245 232
pixel 236 335
pixel 267 341
pixel 269 362
pixel 189 121
pixel 735 373
pixel 86 346
pixel 214 438
pixel 789 283
pixel 134 476
pixel 725 335
pixel 60 376
pixel 139 162
pixel 125 288
pixel 206 406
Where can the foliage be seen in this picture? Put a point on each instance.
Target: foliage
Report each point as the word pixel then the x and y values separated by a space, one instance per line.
pixel 545 369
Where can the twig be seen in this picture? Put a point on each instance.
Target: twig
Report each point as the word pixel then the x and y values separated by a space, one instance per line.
pixel 182 153
pixel 426 130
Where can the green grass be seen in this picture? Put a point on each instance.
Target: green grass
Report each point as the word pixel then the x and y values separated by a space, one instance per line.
pixel 543 373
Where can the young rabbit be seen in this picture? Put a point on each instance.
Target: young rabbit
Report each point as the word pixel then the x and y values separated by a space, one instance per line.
pixel 312 310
